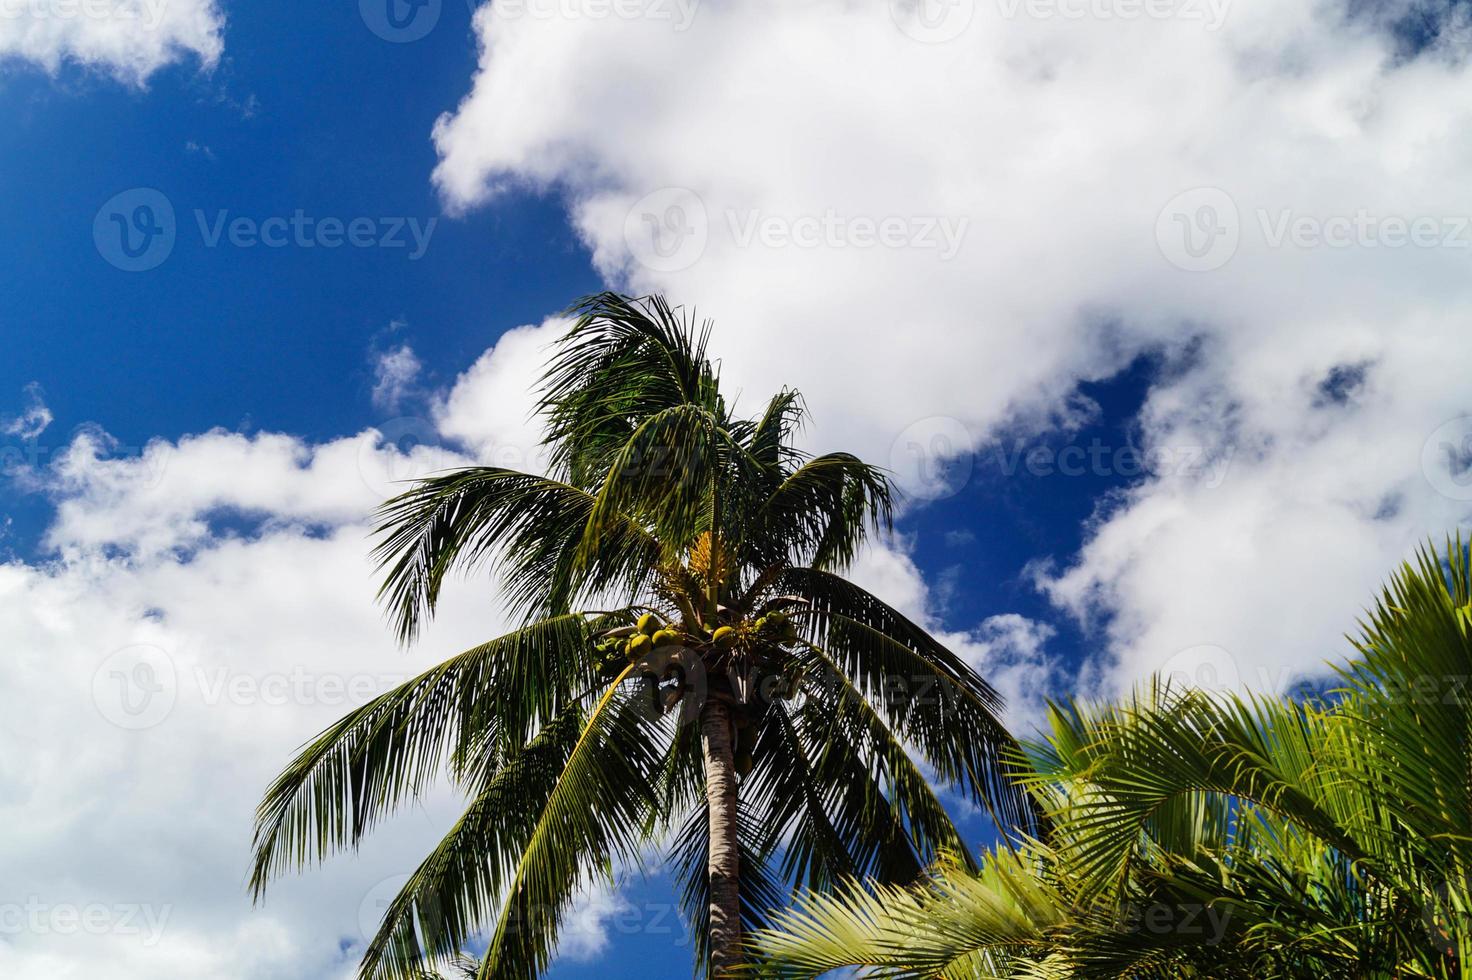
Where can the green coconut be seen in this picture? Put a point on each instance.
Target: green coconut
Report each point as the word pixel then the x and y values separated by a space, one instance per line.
pixel 648 624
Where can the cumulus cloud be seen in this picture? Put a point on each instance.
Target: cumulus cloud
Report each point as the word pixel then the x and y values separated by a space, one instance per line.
pixel 209 606
pixel 491 406
pixel 129 39
pixel 938 226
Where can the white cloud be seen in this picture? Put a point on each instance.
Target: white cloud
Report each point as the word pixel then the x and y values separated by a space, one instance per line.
pixel 1009 650
pixel 33 420
pixel 584 932
pixel 1064 151
pixel 174 497
pixel 147 699
pixel 130 39
pixel 491 406
pixel 395 377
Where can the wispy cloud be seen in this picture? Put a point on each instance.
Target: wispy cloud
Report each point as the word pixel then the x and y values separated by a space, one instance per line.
pixel 33 420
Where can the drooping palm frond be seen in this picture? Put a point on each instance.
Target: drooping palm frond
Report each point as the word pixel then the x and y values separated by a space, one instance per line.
pixel 929 696
pixel 820 514
pixel 528 528
pixel 472 706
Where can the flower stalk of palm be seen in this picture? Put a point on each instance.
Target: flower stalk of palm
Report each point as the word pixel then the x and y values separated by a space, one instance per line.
pixel 694 673
pixel 1206 836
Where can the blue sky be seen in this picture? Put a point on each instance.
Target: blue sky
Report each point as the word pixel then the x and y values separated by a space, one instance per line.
pixel 258 337
pixel 1168 387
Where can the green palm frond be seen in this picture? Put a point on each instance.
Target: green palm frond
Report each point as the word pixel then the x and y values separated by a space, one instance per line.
pixel 960 923
pixel 1187 835
pixel 930 697
pixel 527 528
pixel 820 514
pixel 595 812
pixel 458 714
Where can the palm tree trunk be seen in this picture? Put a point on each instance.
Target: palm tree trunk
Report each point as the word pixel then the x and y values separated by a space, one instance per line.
pixel 723 861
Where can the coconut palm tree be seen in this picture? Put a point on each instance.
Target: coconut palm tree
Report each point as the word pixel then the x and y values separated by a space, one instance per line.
pixel 694 676
pixel 1203 836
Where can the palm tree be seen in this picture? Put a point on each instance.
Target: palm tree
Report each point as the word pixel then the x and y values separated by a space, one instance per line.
pixel 694 674
pixel 1217 837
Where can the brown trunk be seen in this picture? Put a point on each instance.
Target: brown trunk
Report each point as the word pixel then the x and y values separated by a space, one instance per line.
pixel 723 862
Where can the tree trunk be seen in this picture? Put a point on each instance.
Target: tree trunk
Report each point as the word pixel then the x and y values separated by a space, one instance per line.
pixel 723 861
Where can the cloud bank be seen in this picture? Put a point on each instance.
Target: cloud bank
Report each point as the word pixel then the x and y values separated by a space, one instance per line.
pixel 937 219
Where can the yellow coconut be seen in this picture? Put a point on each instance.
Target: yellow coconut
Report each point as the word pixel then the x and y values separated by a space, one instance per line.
pixel 648 624
pixel 724 637
pixel 664 638
pixel 640 645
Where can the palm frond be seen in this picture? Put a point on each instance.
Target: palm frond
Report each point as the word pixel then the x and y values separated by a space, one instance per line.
pixel 458 714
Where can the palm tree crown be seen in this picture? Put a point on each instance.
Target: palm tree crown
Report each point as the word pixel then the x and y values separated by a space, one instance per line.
pixel 693 673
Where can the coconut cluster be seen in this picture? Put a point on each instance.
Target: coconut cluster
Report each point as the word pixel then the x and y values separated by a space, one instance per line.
pixel 652 633
pixel 750 648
